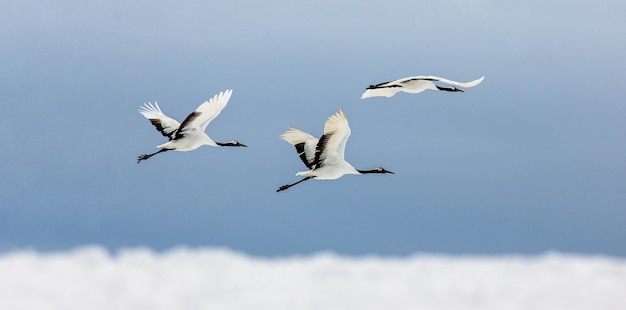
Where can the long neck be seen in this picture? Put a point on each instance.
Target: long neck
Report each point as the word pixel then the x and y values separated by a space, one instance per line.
pixel 226 144
pixel 452 89
pixel 230 143
pixel 370 171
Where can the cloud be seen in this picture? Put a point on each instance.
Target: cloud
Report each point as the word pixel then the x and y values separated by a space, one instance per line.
pixel 208 278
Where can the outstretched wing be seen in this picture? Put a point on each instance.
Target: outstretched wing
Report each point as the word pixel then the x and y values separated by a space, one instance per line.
pixel 204 114
pixel 439 79
pixel 304 143
pixel 331 146
pixel 166 125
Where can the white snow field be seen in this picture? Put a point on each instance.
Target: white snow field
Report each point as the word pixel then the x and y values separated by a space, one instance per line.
pixel 209 278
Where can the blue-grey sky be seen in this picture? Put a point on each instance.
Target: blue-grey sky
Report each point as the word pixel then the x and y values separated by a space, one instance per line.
pixel 531 160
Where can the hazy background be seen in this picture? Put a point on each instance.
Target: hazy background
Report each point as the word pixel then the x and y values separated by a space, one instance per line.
pixel 531 160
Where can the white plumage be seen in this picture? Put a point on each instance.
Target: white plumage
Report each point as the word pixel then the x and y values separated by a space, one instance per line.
pixel 414 85
pixel 190 134
pixel 325 156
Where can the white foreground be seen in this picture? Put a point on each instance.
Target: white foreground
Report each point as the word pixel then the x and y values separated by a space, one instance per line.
pixel 92 278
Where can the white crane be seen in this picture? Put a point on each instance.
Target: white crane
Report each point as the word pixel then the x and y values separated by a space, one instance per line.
pixel 324 157
pixel 189 135
pixel 414 85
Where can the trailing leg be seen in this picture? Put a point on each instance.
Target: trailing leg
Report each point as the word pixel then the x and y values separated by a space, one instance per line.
pixel 146 156
pixel 284 187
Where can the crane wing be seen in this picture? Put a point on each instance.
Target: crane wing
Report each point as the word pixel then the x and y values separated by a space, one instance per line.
pixel 304 143
pixel 439 79
pixel 204 114
pixel 331 146
pixel 166 125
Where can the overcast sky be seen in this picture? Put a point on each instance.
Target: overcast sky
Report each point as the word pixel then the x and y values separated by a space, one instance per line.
pixel 531 160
